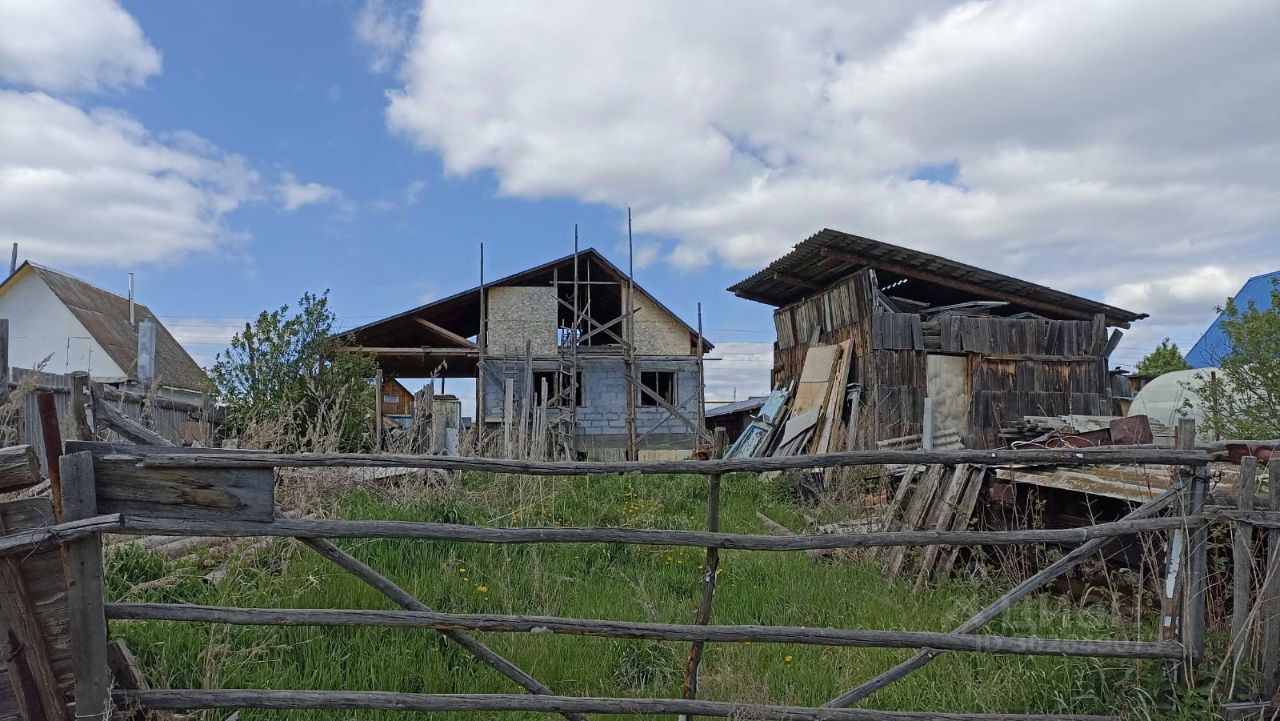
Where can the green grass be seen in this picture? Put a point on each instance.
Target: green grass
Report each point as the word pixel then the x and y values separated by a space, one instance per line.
pixel 613 582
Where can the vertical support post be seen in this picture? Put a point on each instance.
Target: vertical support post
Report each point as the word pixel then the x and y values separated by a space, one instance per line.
pixel 51 437
pixel 926 425
pixel 1270 597
pixel 1242 563
pixel 629 348
pixel 575 333
pixel 80 429
pixel 711 568
pixel 701 390
pixel 508 411
pixel 482 342
pixel 85 591
pixel 1173 593
pixel 378 380
pixel 4 359
pixel 526 404
pixel 1195 606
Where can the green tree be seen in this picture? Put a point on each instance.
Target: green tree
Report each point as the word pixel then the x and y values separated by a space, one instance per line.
pixel 1166 358
pixel 285 386
pixel 1242 398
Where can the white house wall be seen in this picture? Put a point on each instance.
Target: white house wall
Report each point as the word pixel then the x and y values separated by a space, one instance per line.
pixel 41 326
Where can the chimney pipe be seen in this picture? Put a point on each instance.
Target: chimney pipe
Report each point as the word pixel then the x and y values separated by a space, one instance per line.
pixel 132 319
pixel 13 259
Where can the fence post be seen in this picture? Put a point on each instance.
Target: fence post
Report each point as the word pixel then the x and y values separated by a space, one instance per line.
pixel 85 590
pixel 1242 564
pixel 1269 598
pixel 1194 606
pixel 711 567
pixel 79 418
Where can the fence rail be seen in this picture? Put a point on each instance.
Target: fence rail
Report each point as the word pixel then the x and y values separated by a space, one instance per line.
pixel 136 490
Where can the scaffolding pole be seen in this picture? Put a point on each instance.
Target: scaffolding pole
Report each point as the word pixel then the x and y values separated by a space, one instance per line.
pixel 628 347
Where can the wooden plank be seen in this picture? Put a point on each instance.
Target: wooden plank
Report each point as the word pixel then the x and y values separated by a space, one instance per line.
pixel 19 692
pixel 253 698
pixel 939 519
pixel 85 588
pixel 917 507
pixel 241 493
pixel 80 429
pixel 19 468
pixel 960 520
pixel 18 617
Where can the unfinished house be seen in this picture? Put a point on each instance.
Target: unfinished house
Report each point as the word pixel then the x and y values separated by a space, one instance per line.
pixel 562 369
pixel 872 338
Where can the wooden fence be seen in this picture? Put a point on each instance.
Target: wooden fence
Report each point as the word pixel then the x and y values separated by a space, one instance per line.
pixel 146 490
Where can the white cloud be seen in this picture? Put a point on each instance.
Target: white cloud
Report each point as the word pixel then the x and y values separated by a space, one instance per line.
pixel 382 28
pixel 94 186
pixel 73 45
pixel 203 338
pixel 294 195
pixel 738 370
pixel 1096 143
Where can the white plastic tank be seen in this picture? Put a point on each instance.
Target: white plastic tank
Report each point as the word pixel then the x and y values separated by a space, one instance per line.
pixel 1170 397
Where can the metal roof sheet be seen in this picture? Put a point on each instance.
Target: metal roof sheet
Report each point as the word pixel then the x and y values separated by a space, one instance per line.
pixel 811 262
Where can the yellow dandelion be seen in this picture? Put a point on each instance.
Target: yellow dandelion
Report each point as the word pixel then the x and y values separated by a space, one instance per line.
pixel 485 589
pixel 787 659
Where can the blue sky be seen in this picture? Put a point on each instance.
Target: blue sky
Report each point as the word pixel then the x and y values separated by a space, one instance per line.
pixel 286 84
pixel 235 155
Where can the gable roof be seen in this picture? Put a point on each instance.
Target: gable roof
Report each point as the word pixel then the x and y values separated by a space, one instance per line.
pixel 831 255
pixel 1213 343
pixel 105 316
pixel 460 313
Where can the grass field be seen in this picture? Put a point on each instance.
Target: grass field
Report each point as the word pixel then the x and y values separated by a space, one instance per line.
pixel 614 582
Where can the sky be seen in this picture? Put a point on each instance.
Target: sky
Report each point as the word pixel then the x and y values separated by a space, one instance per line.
pixel 234 155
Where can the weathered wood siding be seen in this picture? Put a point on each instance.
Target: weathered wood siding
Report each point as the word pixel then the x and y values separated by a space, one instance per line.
pixel 1013 366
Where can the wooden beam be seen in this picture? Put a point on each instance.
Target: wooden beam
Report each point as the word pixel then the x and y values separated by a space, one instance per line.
pixel 146 457
pixel 177 699
pixel 105 415
pixel 445 333
pixel 428 531
pixel 19 468
pixel 499 623
pixel 966 286
pixel 797 281
pixel 405 350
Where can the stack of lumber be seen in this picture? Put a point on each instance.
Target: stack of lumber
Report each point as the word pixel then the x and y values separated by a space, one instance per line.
pixel 931 498
pixel 813 419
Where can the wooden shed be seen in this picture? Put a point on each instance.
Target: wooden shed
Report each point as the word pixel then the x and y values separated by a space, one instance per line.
pixel 984 347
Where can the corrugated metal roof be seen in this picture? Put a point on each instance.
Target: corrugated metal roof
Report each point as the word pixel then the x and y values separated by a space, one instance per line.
pixel 812 263
pixel 1214 345
pixel 749 404
pixel 105 316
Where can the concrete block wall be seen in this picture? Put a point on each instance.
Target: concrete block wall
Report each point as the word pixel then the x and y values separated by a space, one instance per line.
pixel 604 408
